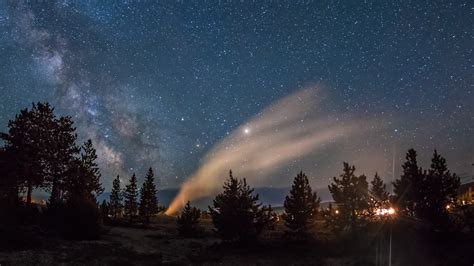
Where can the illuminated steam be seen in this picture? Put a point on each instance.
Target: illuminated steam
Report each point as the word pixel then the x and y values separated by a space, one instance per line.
pixel 286 130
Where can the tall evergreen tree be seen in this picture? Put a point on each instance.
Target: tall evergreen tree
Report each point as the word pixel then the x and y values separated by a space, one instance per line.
pixel 148 200
pixel 84 176
pixel 42 147
pixel 301 206
pixel 350 193
pixel 439 190
pixel 92 171
pixel 116 199
pixel 236 214
pixel 407 188
pixel 188 221
pixel 130 195
pixel 378 193
pixel 62 156
pixel 24 142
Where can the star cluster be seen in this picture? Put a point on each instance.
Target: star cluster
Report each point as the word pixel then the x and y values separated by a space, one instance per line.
pixel 159 83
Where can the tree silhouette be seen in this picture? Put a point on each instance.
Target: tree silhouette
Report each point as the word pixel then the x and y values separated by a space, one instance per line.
pixel 104 209
pixel 439 191
pixel 301 206
pixel 42 148
pixel 426 195
pixel 130 195
pixel 350 193
pixel 24 142
pixel 84 176
pixel 236 214
pixel 378 193
pixel 148 200
pixel 116 198
pixel 62 158
pixel 188 221
pixel 407 188
pixel 92 171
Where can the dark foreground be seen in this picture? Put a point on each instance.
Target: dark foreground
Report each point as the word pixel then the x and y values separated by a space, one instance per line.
pixel 159 244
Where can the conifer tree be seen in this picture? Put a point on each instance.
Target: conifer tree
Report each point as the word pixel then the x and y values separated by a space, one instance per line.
pixel 378 193
pixel 26 143
pixel 236 214
pixel 130 195
pixel 350 193
pixel 92 171
pixel 62 159
pixel 188 221
pixel 148 200
pixel 42 148
pixel 116 198
pixel 439 191
pixel 301 206
pixel 407 188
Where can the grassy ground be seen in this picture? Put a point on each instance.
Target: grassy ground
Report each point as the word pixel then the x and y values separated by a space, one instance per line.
pixel 159 244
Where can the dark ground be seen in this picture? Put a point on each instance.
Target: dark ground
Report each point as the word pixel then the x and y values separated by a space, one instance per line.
pixel 159 244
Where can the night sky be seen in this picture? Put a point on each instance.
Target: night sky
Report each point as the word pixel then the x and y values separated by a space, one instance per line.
pixel 160 83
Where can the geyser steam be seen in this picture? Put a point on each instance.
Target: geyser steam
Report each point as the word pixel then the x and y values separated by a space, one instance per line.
pixel 290 128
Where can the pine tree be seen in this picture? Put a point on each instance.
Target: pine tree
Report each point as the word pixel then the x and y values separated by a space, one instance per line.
pixel 84 176
pixel 92 171
pixel 116 198
pixel 236 214
pixel 378 193
pixel 43 149
pixel 407 188
pixel 439 190
pixel 301 206
pixel 24 141
pixel 350 193
pixel 148 200
pixel 130 195
pixel 62 158
pixel 188 221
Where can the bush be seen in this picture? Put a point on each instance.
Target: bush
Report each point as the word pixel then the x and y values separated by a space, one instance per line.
pixel 76 220
pixel 82 219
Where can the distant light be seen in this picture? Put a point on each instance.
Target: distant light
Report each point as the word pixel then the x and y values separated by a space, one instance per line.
pixel 383 212
pixel 391 211
pixel 337 211
pixel 247 130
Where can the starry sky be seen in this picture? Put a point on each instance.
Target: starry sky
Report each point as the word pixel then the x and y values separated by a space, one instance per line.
pixel 166 83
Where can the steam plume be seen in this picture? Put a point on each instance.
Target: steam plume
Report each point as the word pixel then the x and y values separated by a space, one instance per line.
pixel 286 130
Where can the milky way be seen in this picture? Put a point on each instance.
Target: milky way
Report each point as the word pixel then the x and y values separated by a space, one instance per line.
pixel 165 84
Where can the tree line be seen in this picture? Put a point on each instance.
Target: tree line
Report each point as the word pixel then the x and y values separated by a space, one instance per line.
pixel 426 197
pixel 40 151
pixel 131 202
